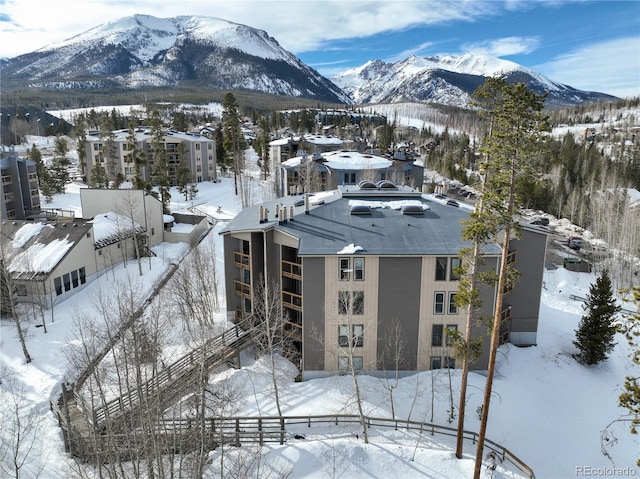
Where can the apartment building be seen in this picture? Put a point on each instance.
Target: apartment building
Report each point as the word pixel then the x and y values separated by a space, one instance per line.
pixel 368 266
pixel 19 188
pixel 327 171
pixel 196 152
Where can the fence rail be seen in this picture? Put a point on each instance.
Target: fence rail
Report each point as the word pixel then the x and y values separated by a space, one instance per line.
pixel 184 435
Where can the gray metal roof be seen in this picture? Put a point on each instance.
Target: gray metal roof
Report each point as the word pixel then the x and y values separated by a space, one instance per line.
pixel 330 227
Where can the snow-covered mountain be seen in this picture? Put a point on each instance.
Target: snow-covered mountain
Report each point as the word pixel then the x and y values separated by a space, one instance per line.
pixel 447 79
pixel 143 50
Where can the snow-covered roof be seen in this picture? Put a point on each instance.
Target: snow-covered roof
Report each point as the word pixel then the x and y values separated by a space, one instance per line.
pixel 40 257
pixel 36 248
pixel 345 160
pixel 308 138
pixel 111 227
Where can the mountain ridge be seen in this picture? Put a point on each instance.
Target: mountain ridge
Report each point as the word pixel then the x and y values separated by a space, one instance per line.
pixel 448 79
pixel 142 50
pixel 202 53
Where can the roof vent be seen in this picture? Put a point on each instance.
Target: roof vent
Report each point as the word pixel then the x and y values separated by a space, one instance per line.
pixel 360 210
pixel 386 185
pixel 367 185
pixel 412 209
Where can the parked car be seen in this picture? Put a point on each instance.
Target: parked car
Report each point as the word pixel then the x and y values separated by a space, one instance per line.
pixel 539 220
pixel 453 203
pixel 440 196
pixel 574 242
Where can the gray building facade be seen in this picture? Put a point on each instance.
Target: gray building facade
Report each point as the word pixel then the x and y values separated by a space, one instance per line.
pixel 364 269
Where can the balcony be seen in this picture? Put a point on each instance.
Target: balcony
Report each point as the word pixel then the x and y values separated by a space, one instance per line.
pixel 505 315
pixel 292 300
pixel 242 289
pixel 241 260
pixel 291 270
pixel 292 330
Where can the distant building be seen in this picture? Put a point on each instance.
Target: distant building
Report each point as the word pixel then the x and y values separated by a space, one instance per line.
pixel 50 259
pixel 366 264
pixel 19 188
pixel 344 167
pixel 292 146
pixel 196 152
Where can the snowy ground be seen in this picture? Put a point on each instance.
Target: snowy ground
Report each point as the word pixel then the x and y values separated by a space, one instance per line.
pixel 546 409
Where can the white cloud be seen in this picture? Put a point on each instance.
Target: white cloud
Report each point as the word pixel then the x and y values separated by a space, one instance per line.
pixel 298 26
pixel 504 46
pixel 611 67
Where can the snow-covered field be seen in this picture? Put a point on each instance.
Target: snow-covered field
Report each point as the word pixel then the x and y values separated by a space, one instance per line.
pixel 546 408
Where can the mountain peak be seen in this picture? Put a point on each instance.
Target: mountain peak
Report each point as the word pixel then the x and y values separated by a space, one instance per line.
pixel 448 79
pixel 142 50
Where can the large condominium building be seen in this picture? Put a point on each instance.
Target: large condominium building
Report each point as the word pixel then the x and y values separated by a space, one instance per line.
pixel 19 188
pixel 368 266
pixel 196 152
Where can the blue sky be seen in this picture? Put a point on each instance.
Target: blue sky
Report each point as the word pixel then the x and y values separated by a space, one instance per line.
pixel 590 45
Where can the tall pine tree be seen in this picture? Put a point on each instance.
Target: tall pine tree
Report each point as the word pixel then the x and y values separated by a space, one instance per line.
pixel 511 148
pixel 630 398
pixel 596 331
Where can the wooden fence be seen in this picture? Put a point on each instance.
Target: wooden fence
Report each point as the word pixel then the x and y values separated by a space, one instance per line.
pixel 184 435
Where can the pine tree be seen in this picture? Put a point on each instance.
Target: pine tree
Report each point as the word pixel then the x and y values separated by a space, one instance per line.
pixel 596 331
pixel 630 398
pixel 511 149
pixel 233 139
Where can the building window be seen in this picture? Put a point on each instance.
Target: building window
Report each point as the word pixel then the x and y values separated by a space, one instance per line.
pixel 21 289
pixel 345 269
pixel 357 363
pixel 343 335
pixel 343 364
pixel 455 264
pixel 450 362
pixel 74 278
pixel 197 146
pixel 357 335
pixel 436 335
pixel 67 281
pixel 436 362
pixel 209 147
pixel 83 275
pixel 441 269
pixel 57 282
pixel 438 302
pixel 451 329
pixel 358 302
pixel 351 302
pixel 453 309
pixel 349 178
pixel 358 269
pixel 343 302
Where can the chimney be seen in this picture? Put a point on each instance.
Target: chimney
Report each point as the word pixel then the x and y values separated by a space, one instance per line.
pixel 261 214
pixel 291 212
pixel 306 203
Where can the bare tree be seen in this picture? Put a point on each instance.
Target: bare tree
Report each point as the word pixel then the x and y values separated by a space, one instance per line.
pixel 19 442
pixel 393 354
pixel 8 295
pixel 309 176
pixel 268 321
